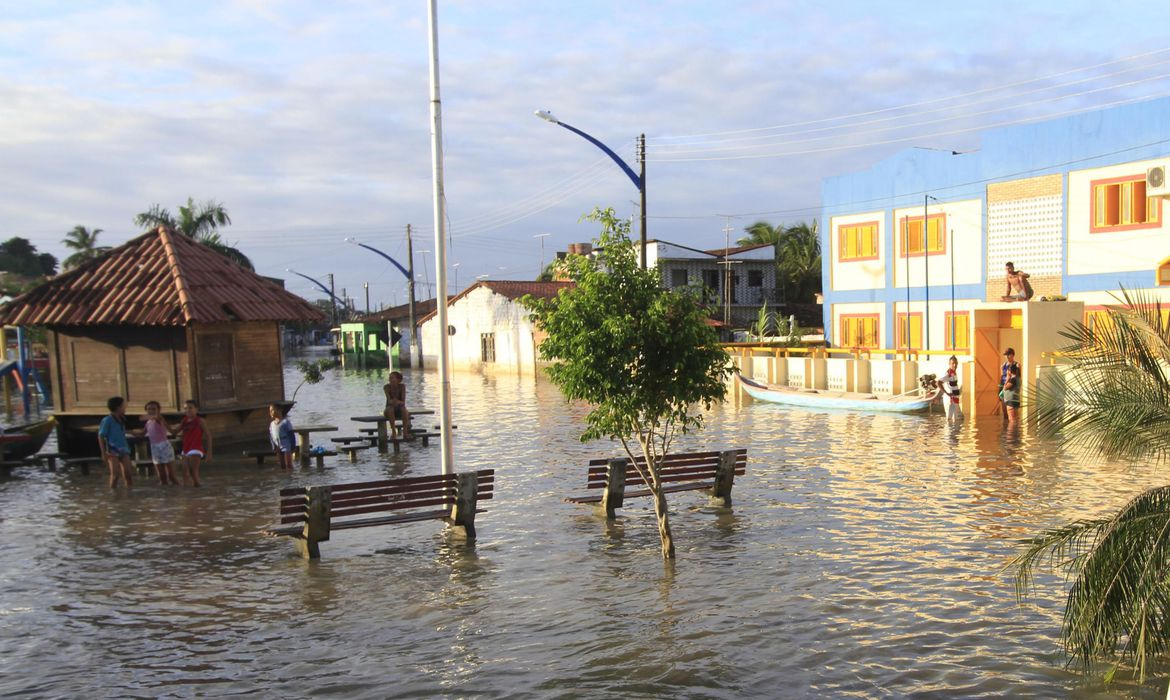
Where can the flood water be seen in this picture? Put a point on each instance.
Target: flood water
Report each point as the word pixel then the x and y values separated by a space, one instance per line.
pixel 862 558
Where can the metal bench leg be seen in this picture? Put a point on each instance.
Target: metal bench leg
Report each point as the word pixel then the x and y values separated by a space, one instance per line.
pixel 724 479
pixel 615 487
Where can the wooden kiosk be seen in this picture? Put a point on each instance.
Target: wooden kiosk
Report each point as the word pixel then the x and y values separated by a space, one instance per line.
pixel 162 318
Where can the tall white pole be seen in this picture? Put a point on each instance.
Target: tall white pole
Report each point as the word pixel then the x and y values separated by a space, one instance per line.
pixel 447 445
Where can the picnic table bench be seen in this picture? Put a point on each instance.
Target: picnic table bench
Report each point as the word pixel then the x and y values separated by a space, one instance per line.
pixel 310 513
pixel 261 455
pixel 713 472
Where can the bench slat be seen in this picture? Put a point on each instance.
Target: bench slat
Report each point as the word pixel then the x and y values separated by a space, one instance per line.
pixel 740 459
pixel 389 519
pixel 344 512
pixel 675 457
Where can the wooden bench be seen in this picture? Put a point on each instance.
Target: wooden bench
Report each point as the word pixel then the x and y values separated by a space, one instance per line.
pixel 310 513
pixel 259 455
pixel 49 459
pixel 713 472
pixel 369 439
pixel 81 463
pixel 352 450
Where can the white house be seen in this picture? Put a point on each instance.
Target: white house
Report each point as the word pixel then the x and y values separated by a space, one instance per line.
pixel 488 327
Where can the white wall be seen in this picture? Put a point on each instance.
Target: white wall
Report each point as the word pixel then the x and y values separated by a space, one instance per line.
pixel 483 311
pixel 965 220
pixel 1119 251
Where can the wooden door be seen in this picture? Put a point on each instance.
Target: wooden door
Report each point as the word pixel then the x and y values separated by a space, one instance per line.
pixel 986 390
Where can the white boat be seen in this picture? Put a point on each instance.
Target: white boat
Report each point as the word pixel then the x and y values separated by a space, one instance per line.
pixel 819 398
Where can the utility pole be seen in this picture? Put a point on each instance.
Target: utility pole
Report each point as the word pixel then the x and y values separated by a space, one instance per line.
pixel 367 286
pixel 332 302
pixel 416 355
pixel 642 180
pixel 540 270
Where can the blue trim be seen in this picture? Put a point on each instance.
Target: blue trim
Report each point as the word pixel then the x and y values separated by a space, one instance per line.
pixel 1110 281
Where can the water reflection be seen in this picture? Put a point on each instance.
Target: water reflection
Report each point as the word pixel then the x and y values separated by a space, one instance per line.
pixel 861 558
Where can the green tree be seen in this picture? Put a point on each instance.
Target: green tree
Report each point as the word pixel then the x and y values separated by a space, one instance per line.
pixel 1115 400
pixel 643 357
pixel 19 256
pixel 797 250
pixel 200 222
pixel 84 244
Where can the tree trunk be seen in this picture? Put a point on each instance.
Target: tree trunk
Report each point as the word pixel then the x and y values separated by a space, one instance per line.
pixel 663 524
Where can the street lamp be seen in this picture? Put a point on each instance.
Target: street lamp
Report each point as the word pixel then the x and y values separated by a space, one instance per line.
pixel 638 180
pixel 332 297
pixel 414 336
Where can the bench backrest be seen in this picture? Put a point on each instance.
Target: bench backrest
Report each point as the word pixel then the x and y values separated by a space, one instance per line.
pixel 386 495
pixel 684 466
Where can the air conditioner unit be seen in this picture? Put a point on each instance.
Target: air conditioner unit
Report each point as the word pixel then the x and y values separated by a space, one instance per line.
pixel 1157 184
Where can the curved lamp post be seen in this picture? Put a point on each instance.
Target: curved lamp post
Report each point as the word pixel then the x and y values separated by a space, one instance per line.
pixel 638 180
pixel 414 339
pixel 332 297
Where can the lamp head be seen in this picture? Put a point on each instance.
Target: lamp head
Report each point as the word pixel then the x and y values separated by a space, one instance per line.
pixel 350 239
pixel 547 116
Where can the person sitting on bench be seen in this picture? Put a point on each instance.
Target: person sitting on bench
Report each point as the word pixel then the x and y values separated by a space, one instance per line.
pixel 396 404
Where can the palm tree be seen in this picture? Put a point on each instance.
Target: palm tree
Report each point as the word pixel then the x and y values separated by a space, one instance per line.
pixel 200 223
pixel 761 232
pixel 798 252
pixel 1114 399
pixel 84 242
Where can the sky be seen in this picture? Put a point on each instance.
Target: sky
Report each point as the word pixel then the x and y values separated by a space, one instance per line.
pixel 310 123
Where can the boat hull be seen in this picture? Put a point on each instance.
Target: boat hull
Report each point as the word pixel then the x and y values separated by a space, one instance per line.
pixel 790 396
pixel 37 434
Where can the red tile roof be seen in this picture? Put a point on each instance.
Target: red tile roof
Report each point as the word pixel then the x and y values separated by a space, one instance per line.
pixel 513 289
pixel 157 279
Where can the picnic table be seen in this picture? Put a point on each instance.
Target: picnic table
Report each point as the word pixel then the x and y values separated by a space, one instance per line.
pixel 303 432
pixel 382 421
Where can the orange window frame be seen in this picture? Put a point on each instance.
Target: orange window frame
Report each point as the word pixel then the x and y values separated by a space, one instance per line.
pixel 859 231
pixel 958 328
pixel 900 331
pixel 1117 199
pixel 934 240
pixel 856 327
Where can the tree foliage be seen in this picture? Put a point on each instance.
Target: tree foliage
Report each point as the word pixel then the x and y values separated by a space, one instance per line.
pixel 83 242
pixel 200 222
pixel 643 357
pixel 798 257
pixel 1114 399
pixel 312 372
pixel 20 257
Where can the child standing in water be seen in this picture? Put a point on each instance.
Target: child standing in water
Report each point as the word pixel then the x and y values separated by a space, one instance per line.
pixel 1011 395
pixel 949 392
pixel 196 442
pixel 112 440
pixel 280 434
pixel 161 452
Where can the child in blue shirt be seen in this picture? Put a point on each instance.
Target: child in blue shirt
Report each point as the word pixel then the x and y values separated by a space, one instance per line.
pixel 112 440
pixel 280 434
